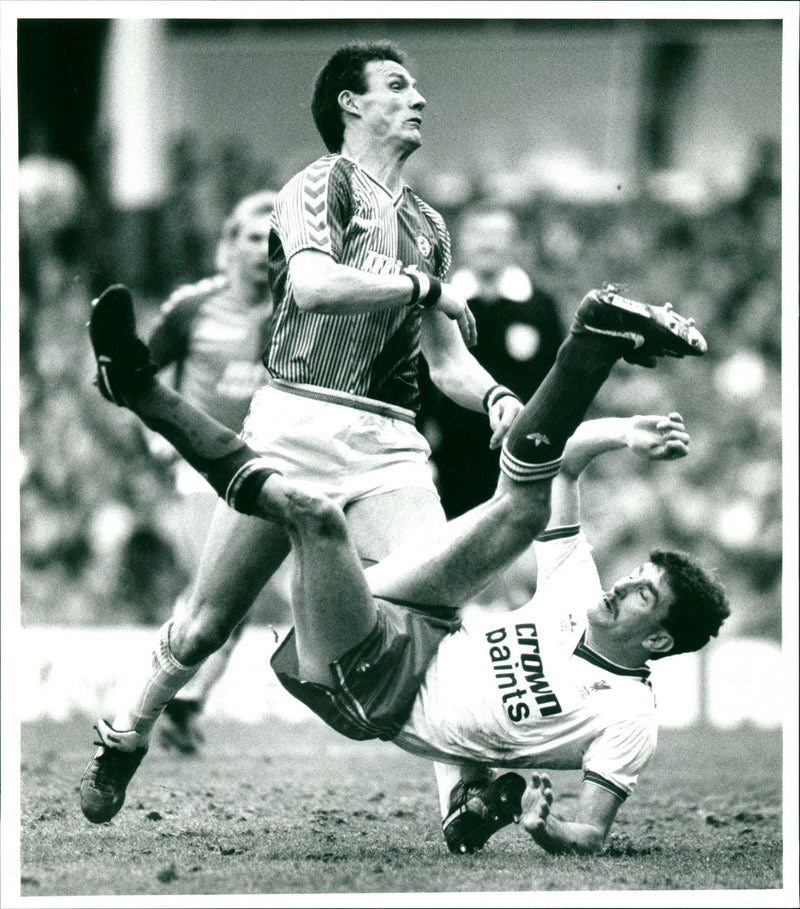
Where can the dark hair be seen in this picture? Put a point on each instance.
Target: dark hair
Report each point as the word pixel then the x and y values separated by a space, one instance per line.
pixel 700 604
pixel 345 72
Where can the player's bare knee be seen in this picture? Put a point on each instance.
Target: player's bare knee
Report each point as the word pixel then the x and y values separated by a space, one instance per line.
pixel 527 503
pixel 198 638
pixel 313 512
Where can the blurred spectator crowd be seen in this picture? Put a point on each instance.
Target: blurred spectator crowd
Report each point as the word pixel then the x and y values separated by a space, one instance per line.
pixel 97 527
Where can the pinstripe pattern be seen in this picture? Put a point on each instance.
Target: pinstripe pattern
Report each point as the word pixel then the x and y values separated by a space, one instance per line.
pixel 336 207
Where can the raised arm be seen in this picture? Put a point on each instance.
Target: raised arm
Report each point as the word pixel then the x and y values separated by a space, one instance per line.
pixel 459 376
pixel 323 285
pixel 655 437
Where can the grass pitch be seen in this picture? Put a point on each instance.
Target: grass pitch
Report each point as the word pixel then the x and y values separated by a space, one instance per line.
pixel 297 809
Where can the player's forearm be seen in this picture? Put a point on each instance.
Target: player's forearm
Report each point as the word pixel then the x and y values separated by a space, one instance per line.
pixel 593 438
pixel 453 369
pixel 462 379
pixel 558 837
pixel 341 290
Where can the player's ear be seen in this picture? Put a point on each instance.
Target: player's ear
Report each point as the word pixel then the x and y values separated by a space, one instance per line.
pixel 660 642
pixel 347 101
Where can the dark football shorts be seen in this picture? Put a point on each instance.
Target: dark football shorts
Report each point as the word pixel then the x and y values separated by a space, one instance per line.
pixel 378 680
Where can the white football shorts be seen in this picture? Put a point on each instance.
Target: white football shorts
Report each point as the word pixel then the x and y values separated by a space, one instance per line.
pixel 329 438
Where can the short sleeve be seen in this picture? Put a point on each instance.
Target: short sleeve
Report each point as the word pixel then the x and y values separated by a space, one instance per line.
pixel 565 551
pixel 567 583
pixel 313 209
pixel 616 758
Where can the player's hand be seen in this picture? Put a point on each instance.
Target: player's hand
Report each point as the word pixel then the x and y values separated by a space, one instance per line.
pixel 454 306
pixel 501 415
pixel 536 801
pixel 658 438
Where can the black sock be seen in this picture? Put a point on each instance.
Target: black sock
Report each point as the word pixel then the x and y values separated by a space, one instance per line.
pixel 225 460
pixel 534 446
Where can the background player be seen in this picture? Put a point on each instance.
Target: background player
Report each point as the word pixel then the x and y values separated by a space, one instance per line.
pixel 358 268
pixel 519 332
pixel 209 340
pixel 363 643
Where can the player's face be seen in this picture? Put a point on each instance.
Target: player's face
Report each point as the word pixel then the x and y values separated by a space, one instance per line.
pixel 391 108
pixel 635 607
pixel 251 250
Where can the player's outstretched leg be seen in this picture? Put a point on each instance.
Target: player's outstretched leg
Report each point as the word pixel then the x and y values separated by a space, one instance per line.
pixel 605 329
pixel 479 809
pixel 126 375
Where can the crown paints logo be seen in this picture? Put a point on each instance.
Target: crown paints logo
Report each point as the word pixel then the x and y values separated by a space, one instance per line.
pixel 424 246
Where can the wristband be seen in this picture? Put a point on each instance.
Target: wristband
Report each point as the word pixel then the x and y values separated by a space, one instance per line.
pixel 426 289
pixel 433 294
pixel 494 394
pixel 416 289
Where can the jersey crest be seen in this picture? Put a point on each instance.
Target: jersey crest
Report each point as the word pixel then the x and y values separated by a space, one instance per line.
pixel 424 246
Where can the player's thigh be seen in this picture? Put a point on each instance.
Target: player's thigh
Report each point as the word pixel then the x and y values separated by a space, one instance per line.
pixel 273 604
pixel 196 513
pixel 240 555
pixel 380 523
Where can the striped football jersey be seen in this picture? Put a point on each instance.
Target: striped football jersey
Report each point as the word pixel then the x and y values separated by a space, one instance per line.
pixel 336 207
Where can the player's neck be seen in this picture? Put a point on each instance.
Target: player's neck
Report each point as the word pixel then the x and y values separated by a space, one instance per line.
pixel 382 162
pixel 625 656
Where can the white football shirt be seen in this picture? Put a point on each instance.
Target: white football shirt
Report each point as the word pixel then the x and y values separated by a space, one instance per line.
pixel 521 689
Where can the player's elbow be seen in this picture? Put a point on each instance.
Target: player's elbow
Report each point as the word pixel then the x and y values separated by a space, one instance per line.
pixel 311 294
pixel 589 839
pixel 571 839
pixel 310 300
pixel 439 375
pixel 446 372
pixel 592 843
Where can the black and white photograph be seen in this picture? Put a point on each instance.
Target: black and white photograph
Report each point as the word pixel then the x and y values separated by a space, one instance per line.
pixel 399 454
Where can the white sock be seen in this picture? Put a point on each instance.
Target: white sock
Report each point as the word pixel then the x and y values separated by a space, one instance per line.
pixel 149 695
